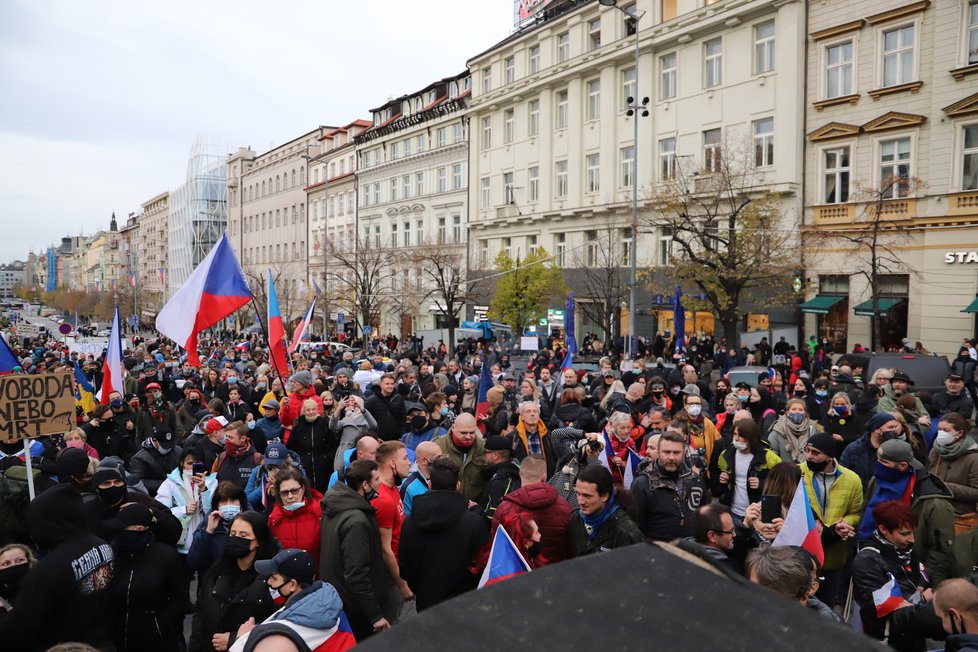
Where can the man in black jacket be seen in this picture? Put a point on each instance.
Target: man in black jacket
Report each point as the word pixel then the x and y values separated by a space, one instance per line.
pixel 351 558
pixel 503 473
pixel 58 600
pixel 440 539
pixel 387 408
pixel 157 456
pixel 667 492
pixel 111 493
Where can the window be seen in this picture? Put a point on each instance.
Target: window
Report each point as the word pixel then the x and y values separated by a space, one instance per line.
pixel 441 136
pixel 838 70
pixel 507 247
pixel 486 200
pixel 376 193
pixel 628 87
pixel 764 47
pixel 420 144
pixel 835 175
pixel 594 99
pixel 456 228
pixel 407 152
pixel 349 202
pixel 560 111
pixel 665 245
pixel 441 230
pixel 486 80
pixel 442 179
pixel 419 184
pixel 711 150
pixel 560 179
pixel 898 46
pixel 764 142
pixel 667 158
pixel 591 247
pixel 533 183
pixel 533 118
pixel 487 132
pixel 456 176
pixel 508 187
pixel 563 47
pixel 532 243
pixel 594 34
pixel 394 235
pixel 456 133
pixel 895 163
pixel 971 39
pixel 509 125
pixel 713 61
pixel 627 159
pixel 592 170
pixel 667 64
pixel 393 186
pixel 668 9
pixel 340 206
pixel 405 189
pixel 533 64
pixel 560 248
pixel 626 246
pixel 395 151
pixel 509 70
pixel 969 158
pixel 419 232
pixel 629 25
pixel 483 253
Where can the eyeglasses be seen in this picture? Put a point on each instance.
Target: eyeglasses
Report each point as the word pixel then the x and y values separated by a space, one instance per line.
pixel 727 532
pixel 291 492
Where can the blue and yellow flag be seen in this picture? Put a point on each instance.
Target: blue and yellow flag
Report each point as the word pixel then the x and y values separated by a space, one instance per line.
pixel 84 392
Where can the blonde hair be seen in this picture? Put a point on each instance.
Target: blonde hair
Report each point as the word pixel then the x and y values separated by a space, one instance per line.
pixel 882 372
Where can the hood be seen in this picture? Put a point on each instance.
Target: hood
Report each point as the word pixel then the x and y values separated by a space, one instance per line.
pixel 509 468
pixel 534 496
pixel 930 486
pixel 844 379
pixel 340 498
pixel 437 511
pixel 316 607
pixel 56 515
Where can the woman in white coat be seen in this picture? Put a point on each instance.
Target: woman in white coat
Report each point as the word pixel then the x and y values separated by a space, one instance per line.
pixel 188 496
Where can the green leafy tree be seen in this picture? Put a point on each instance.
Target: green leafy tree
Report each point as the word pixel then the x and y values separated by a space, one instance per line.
pixel 525 288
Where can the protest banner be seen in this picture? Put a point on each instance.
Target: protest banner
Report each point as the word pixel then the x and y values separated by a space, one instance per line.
pixel 34 405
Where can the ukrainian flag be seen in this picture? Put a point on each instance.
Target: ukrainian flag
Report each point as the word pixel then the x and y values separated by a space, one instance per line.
pixel 84 392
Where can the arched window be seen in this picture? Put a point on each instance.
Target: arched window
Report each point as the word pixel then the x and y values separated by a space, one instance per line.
pixel 262 188
pixel 293 177
pixel 302 175
pixel 278 183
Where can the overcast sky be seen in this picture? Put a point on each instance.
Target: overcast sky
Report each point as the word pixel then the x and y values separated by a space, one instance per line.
pixel 101 101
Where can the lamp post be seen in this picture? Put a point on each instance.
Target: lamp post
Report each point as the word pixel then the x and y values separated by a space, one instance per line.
pixel 635 108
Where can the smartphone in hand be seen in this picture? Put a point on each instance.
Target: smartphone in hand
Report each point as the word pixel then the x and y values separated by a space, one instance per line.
pixel 770 508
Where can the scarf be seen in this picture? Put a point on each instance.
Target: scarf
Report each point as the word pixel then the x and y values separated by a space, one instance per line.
pixel 795 436
pixel 593 523
pixel 955 449
pixel 904 556
pixel 891 484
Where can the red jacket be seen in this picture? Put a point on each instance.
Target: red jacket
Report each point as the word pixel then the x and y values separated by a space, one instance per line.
pixel 550 512
pixel 299 529
pixel 619 448
pixel 291 412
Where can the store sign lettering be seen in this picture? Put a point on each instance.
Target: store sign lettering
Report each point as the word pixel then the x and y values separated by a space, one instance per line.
pixel 961 257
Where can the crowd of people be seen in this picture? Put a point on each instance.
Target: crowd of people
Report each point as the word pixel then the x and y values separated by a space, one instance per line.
pixel 323 507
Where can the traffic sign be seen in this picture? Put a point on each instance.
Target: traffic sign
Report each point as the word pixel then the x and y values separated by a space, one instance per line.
pixel 366 329
pixel 65 328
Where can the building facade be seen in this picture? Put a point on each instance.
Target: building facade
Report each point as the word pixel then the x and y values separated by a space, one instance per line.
pixel 152 254
pixel 11 276
pixel 413 196
pixel 267 217
pixel 892 157
pixel 554 157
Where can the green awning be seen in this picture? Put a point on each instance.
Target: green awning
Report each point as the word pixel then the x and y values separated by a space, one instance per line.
pixel 972 307
pixel 820 304
pixel 865 309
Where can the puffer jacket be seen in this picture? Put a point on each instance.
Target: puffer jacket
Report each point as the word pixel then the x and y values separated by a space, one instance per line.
pixel 291 411
pixel 550 512
pixel 299 528
pixel 151 466
pixel 175 494
pixel 223 607
pixel 844 501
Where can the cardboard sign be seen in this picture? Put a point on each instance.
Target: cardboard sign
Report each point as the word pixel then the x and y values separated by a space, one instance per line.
pixel 530 343
pixel 28 329
pixel 32 405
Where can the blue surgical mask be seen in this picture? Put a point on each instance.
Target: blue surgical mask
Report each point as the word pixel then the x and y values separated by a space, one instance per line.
pixel 229 512
pixel 251 425
pixel 743 398
pixel 444 412
pixel 295 506
pixel 232 380
pixel 821 393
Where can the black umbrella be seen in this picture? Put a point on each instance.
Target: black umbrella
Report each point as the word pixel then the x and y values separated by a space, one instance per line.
pixel 639 597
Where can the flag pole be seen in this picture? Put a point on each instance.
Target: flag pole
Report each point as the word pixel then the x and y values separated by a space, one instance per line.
pixel 30 472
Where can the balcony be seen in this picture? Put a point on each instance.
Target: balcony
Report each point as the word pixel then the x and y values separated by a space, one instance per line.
pixel 891 210
pixel 965 203
pixel 835 214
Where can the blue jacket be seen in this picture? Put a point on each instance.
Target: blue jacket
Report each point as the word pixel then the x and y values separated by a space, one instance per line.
pixel 417 487
pixel 347 458
pixel 273 429
pixel 860 458
pixel 256 483
pixel 412 439
pixel 207 547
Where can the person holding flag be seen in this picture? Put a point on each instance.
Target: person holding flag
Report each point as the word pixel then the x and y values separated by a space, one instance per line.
pixel 622 440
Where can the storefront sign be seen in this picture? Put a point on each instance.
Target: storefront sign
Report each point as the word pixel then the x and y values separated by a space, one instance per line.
pixel 961 257
pixel 35 405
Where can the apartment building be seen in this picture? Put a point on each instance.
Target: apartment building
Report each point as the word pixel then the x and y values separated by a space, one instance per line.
pixel 152 254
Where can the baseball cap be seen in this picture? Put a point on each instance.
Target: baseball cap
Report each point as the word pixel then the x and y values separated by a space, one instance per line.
pixel 276 454
pixel 691 390
pixel 955 377
pixel 411 406
pixel 272 403
pixel 292 563
pixel 152 386
pixel 896 450
pixel 508 376
pixel 215 424
pixel 131 514
pixel 498 443
pixel 164 437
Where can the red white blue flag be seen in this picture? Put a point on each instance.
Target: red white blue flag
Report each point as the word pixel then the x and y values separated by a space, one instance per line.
pixel 482 400
pixel 301 333
pixel 112 365
pixel 505 560
pixel 888 597
pixel 799 527
pixel 276 332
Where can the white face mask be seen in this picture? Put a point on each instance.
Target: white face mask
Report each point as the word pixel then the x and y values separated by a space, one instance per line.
pixel 944 438
pixel 740 445
pixel 694 410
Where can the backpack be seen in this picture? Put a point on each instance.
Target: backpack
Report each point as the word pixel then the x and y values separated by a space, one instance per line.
pixel 14 498
pixel 415 475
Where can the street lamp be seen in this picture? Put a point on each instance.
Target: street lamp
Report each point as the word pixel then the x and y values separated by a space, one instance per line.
pixel 635 108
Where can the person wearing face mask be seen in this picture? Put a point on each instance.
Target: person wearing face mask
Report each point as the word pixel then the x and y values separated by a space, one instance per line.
pixel 737 476
pixel 121 442
pixel 860 455
pixel 440 415
pixel 111 493
pixel 188 410
pixel 956 605
pixel 841 420
pixel 185 494
pixel 269 427
pixel 158 456
pixel 297 513
pixel 315 444
pixel 227 500
pixel 231 592
pixel 704 438
pixel 100 429
pixel 420 427
pixel 791 432
pixel 352 557
pixel 16 560
pixel 239 458
pixel 954 459
pixel 158 412
pixel 148 589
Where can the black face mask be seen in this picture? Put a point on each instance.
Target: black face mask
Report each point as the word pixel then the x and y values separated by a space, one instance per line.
pixel 237 547
pixel 418 423
pixel 112 496
pixel 955 629
pixel 12 576
pixel 535 549
pixel 131 542
pixel 370 495
pixel 818 467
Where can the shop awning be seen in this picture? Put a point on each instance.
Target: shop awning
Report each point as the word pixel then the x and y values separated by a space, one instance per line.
pixel 820 304
pixel 972 307
pixel 865 309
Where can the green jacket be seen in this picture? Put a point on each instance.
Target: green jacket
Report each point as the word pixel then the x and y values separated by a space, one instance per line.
pixel 934 536
pixel 844 501
pixel 965 557
pixel 470 464
pixel 888 402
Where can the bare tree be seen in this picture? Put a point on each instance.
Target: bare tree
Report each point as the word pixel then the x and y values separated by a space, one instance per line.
pixel 365 269
pixel 448 284
pixel 602 272
pixel 287 292
pixel 730 238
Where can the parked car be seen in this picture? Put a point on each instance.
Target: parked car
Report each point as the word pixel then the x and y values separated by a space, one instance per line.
pixel 747 375
pixel 928 372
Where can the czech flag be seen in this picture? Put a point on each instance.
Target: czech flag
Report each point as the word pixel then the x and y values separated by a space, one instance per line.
pixel 482 401
pixel 631 468
pixel 568 362
pixel 7 358
pixel 215 289
pixel 301 330
pixel 132 279
pixel 84 392
pixel 888 597
pixel 505 560
pixel 112 365
pixel 799 526
pixel 276 332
